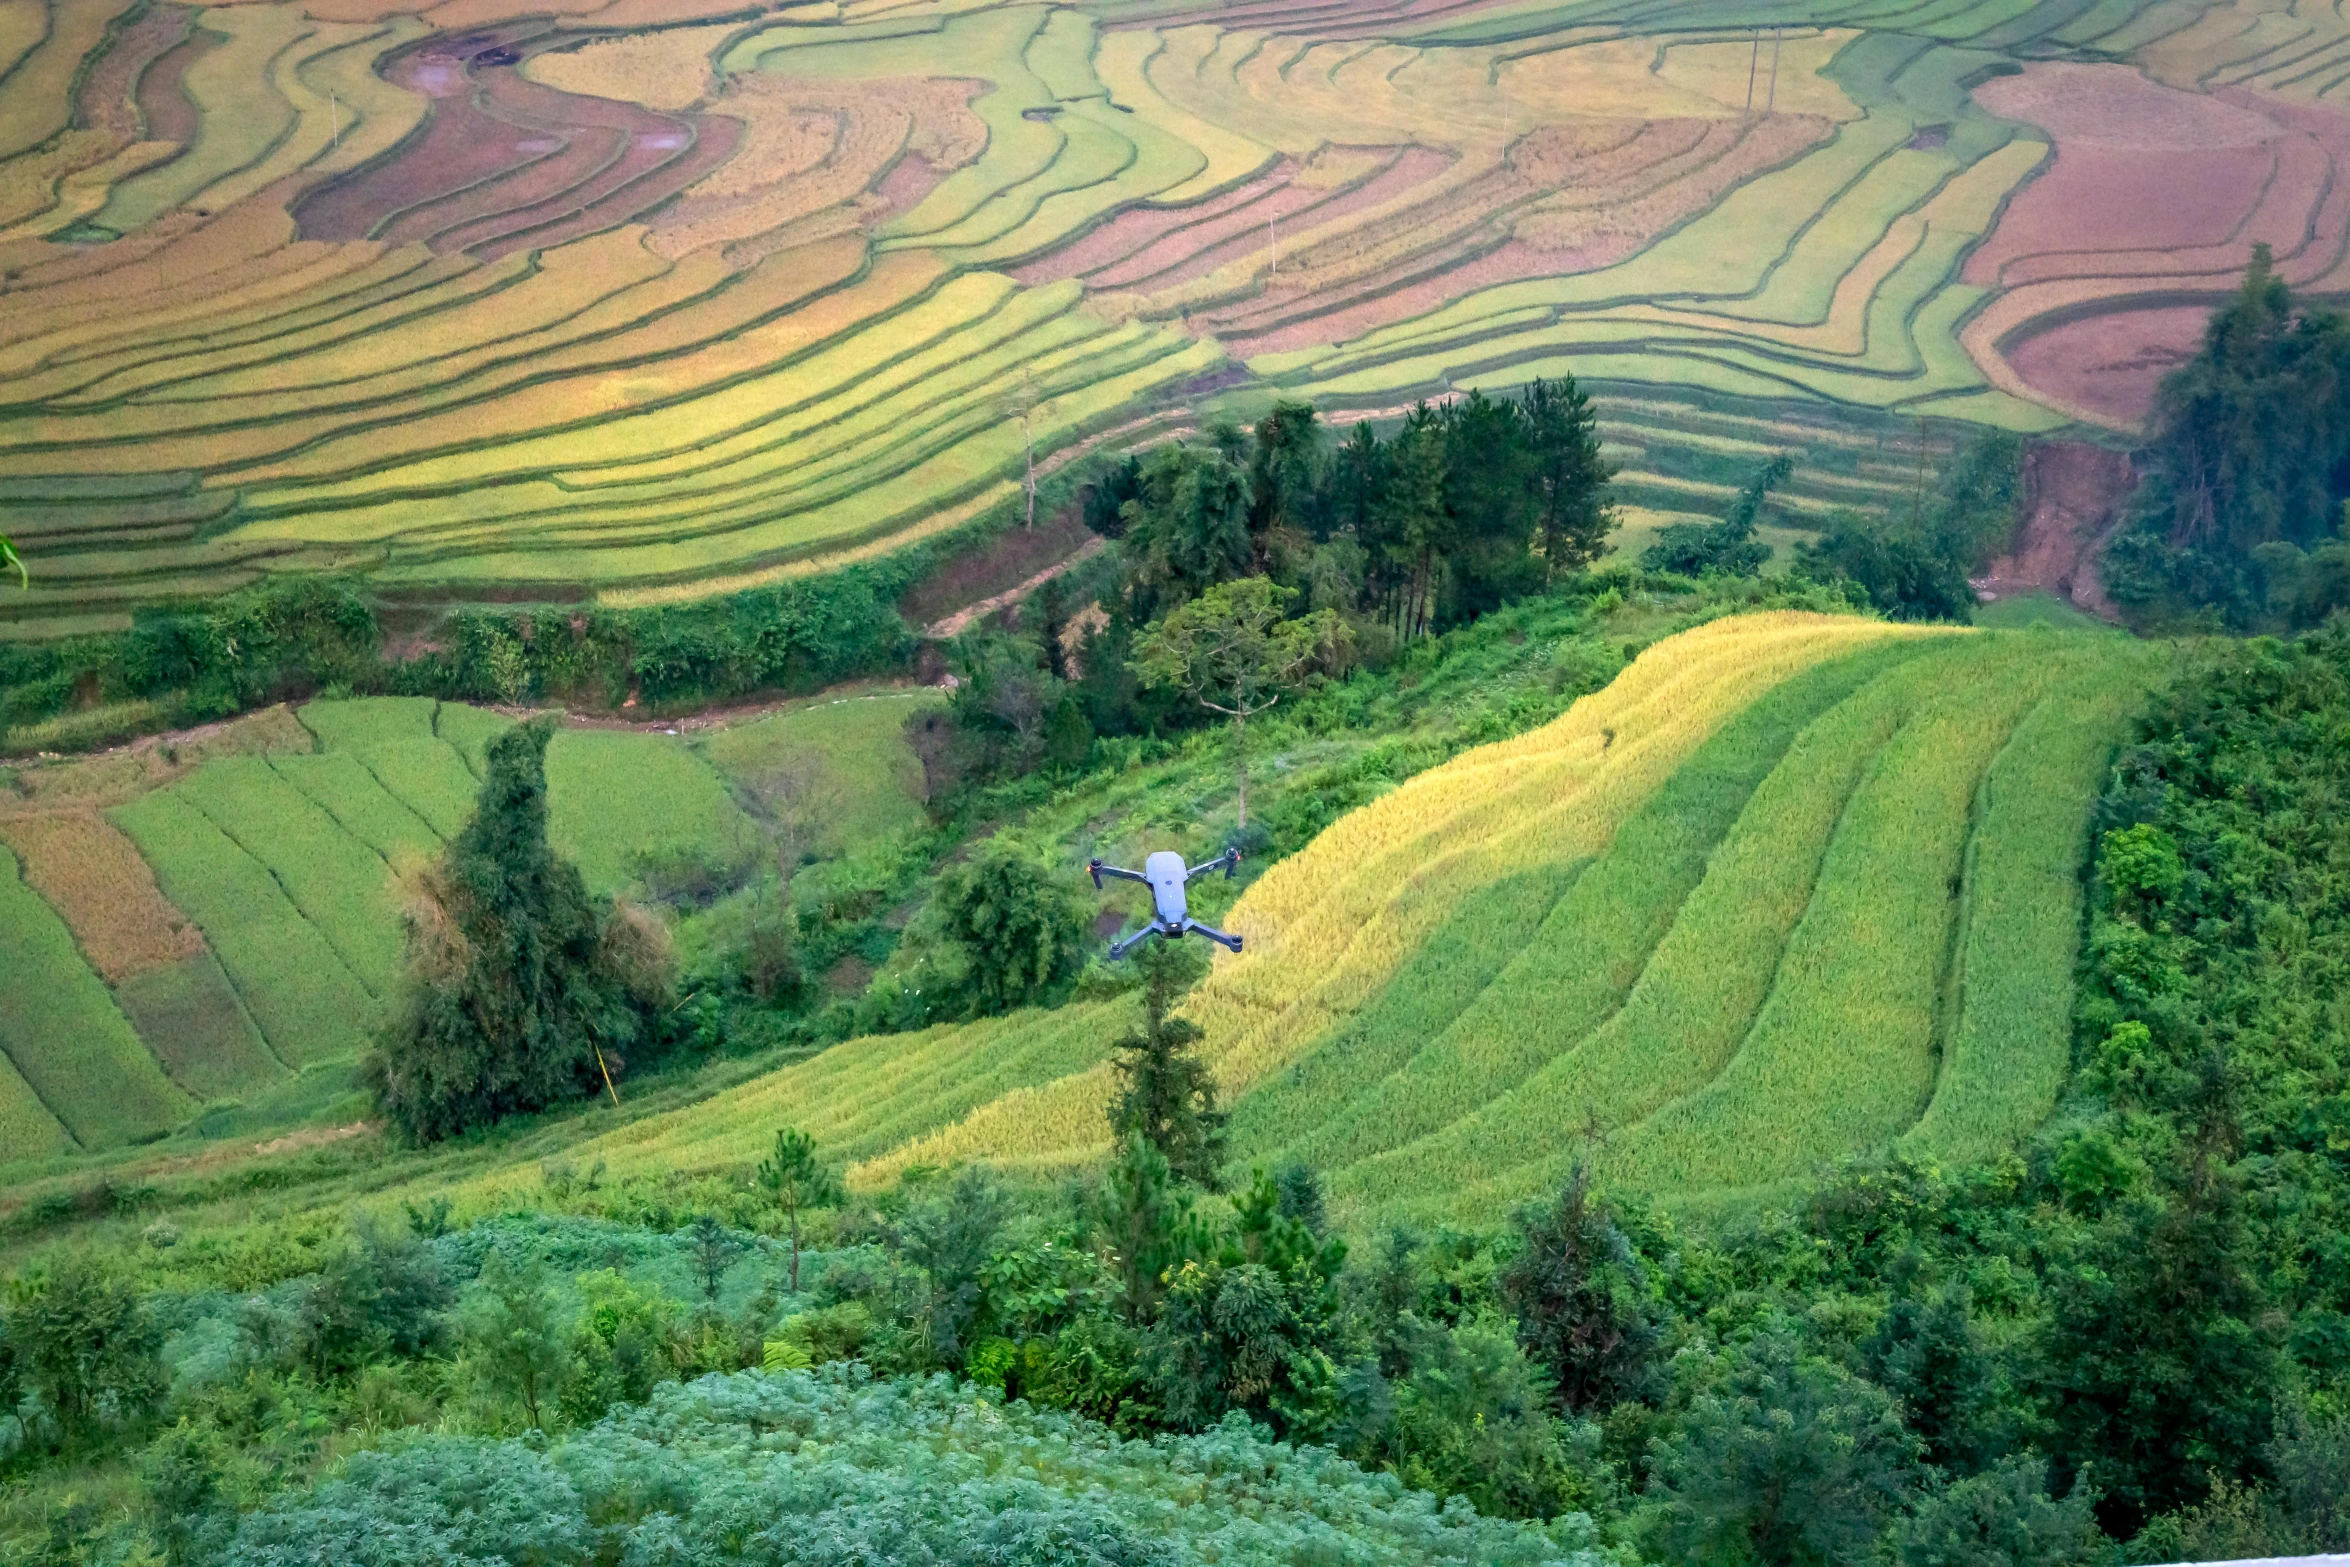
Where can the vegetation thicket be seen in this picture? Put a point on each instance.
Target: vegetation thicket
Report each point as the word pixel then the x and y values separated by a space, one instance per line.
pixel 519 991
pixel 2242 515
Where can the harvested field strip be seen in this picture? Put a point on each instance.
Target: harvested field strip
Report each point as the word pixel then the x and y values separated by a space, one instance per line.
pixel 2005 1060
pixel 190 1017
pixel 305 1000
pixel 1575 965
pixel 1123 62
pixel 96 881
pixel 871 444
pixel 65 1037
pixel 505 308
pixel 36 94
pixel 269 281
pixel 1702 985
pixel 861 449
pixel 680 428
pixel 1842 1056
pixel 339 884
pixel 400 285
pixel 692 351
pixel 756 536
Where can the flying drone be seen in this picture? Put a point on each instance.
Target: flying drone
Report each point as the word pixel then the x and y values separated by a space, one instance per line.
pixel 1165 873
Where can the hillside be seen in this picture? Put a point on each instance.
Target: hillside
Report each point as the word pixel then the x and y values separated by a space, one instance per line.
pixel 639 303
pixel 1790 888
pixel 217 923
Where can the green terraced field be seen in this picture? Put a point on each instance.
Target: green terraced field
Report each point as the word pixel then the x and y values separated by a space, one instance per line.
pixel 1816 896
pixel 285 861
pixel 70 1050
pixel 318 318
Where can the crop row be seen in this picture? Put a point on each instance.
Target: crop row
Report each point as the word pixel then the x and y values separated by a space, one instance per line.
pixel 69 1047
pixel 1331 927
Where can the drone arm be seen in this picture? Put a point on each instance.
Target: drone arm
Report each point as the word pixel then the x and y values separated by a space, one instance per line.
pixel 1098 870
pixel 1119 949
pixel 1229 860
pixel 1220 938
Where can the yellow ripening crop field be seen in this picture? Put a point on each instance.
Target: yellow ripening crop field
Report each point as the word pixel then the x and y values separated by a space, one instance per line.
pixel 1780 893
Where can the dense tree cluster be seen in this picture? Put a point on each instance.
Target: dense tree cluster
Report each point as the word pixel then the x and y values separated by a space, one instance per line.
pixel 2241 514
pixel 521 991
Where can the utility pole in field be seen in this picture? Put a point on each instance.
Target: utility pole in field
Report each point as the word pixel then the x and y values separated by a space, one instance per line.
pixel 1752 66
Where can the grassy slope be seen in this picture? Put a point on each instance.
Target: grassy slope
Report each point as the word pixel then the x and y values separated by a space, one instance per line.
pixel 1841 918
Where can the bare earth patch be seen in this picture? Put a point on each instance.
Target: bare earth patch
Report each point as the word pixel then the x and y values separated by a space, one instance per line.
pixel 2073 492
pixel 2151 205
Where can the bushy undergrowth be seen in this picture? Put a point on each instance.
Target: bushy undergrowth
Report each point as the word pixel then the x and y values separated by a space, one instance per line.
pixel 835 1466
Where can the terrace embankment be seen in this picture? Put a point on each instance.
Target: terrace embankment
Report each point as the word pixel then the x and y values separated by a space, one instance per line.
pixel 2108 263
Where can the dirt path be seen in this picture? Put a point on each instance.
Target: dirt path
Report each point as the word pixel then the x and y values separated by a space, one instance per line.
pixel 956 623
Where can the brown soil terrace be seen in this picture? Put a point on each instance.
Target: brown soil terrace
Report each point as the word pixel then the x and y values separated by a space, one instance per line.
pixel 505 163
pixel 2073 492
pixel 2109 261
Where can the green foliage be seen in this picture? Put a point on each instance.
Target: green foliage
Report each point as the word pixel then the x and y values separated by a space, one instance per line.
pixel 1915 566
pixel 516 984
pixel 796 1179
pixel 1570 476
pixel 1140 1214
pixel 2002 1517
pixel 380 1296
pixel 83 1342
pixel 1249 1321
pixel 1016 923
pixel 1232 651
pixel 1787 1458
pixel 1726 548
pixel 511 1341
pixel 2242 513
pixel 835 1466
pixel 290 636
pixel 1166 1094
pixel 10 560
pixel 1581 1298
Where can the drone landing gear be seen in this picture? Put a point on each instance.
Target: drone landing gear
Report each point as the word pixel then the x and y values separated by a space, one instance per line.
pixel 1225 939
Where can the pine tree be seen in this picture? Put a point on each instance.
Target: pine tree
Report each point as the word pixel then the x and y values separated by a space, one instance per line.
pixel 1168 1095
pixel 1571 475
pixel 521 992
pixel 797 1179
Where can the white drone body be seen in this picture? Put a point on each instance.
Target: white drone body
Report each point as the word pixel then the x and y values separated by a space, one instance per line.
pixel 1166 876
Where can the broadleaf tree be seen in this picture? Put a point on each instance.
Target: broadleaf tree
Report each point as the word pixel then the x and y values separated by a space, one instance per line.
pixel 1232 651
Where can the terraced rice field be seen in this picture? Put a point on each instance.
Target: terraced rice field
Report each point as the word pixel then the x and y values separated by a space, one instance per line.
pixel 1790 889
pixel 209 925
pixel 641 297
